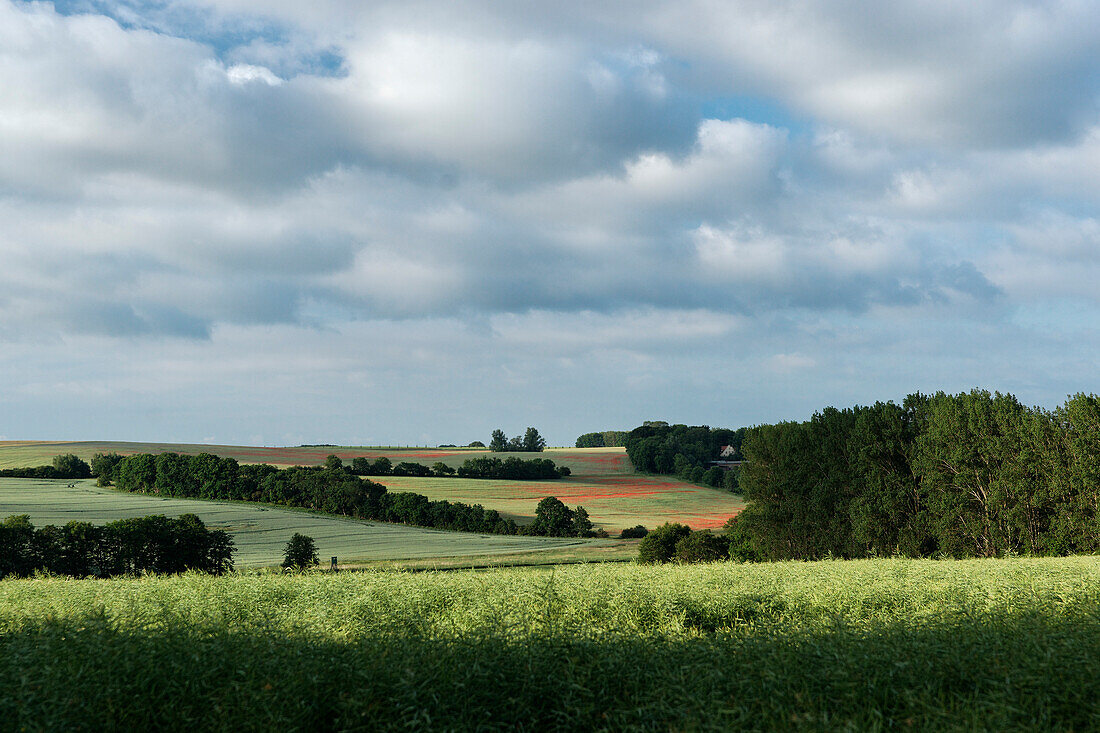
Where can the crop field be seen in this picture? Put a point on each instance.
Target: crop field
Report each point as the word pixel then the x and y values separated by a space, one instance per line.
pixel 924 645
pixel 261 532
pixel 603 481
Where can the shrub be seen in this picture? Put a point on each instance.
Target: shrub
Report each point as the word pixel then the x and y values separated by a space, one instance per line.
pixel 631 533
pixel 701 547
pixel 660 544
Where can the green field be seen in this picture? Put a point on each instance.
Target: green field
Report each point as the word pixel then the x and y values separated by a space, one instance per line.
pixel 861 645
pixel 603 481
pixel 261 532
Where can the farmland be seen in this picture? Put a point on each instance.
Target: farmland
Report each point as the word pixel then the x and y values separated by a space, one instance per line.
pixel 602 480
pixel 261 532
pixel 1009 644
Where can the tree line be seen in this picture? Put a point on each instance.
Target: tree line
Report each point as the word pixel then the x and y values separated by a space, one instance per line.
pixel 685 452
pixel 604 439
pixel 967 475
pixel 333 488
pixel 66 466
pixel 153 544
pixel 484 467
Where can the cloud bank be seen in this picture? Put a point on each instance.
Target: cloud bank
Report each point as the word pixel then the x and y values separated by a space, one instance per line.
pixel 405 221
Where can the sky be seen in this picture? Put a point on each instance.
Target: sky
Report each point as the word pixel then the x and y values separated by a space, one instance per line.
pixel 273 222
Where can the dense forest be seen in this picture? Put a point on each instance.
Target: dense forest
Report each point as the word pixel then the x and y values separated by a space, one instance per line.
pixel 333 488
pixel 155 544
pixel 967 475
pixel 685 452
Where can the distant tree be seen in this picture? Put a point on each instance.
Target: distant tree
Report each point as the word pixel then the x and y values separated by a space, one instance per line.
pixel 515 445
pixel 71 466
pixel 499 442
pixel 532 441
pixel 476 444
pixel 633 532
pixel 582 525
pixel 333 462
pixel 301 552
pixel 439 468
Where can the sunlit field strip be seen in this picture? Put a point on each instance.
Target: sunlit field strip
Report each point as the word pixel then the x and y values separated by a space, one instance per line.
pixel 922 645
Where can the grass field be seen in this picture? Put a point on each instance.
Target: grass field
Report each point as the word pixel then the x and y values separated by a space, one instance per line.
pixel 261 532
pixel 603 480
pixel 864 645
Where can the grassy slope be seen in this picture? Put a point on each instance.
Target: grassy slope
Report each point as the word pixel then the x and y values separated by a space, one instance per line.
pixel 866 645
pixel 261 532
pixel 603 480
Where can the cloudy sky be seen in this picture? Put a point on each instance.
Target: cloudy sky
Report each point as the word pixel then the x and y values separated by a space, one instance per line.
pixel 277 222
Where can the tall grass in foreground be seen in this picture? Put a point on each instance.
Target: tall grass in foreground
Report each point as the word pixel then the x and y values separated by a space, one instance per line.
pixel 994 644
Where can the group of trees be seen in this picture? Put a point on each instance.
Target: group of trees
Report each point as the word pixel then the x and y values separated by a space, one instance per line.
pixel 515 469
pixel 67 466
pixel 154 544
pixel 333 488
pixel 967 475
pixel 686 452
pixel 679 543
pixel 605 439
pixel 530 442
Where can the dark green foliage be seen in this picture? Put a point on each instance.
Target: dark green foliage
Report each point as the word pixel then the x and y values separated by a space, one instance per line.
pixel 333 489
pixel 71 466
pixel 968 475
pixel 441 469
pixel 406 468
pixel 656 447
pixel 67 466
pixel 660 545
pixel 476 444
pixel 552 519
pixel 515 469
pixel 301 552
pixel 701 546
pixel 633 532
pixel 605 439
pixel 529 442
pixel 153 544
pixel 333 462
pixel 103 467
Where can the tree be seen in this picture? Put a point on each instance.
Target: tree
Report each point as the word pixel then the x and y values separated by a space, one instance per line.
pixel 103 467
pixel 660 544
pixel 499 442
pixel 333 462
pixel 532 441
pixel 701 547
pixel 553 518
pixel 71 466
pixel 301 552
pixel 582 525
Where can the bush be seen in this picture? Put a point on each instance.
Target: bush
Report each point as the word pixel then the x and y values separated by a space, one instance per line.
pixel 631 533
pixel 301 552
pixel 701 547
pixel 660 544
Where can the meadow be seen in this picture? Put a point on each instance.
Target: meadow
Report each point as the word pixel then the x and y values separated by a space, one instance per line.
pixel 261 532
pixel 857 645
pixel 602 480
